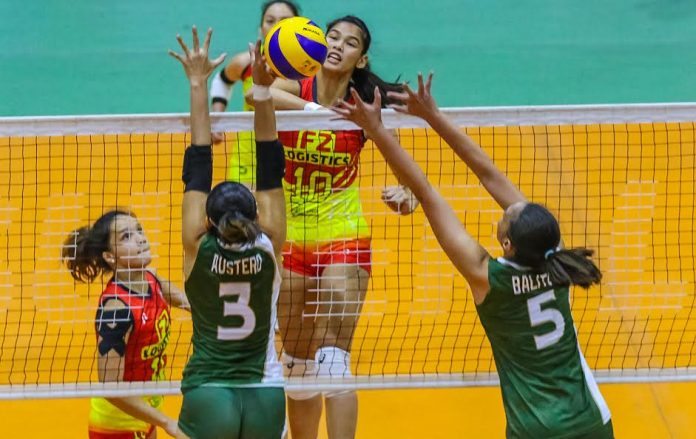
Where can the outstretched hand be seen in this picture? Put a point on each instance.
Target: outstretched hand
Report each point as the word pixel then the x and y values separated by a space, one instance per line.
pixel 195 61
pixel 366 116
pixel 420 104
pixel 260 71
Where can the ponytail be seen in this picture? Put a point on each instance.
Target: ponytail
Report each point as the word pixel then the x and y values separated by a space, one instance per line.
pixel 83 250
pixel 572 267
pixel 364 82
pixel 234 228
pixel 535 234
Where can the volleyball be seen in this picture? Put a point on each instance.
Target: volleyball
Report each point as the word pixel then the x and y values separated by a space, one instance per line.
pixel 295 48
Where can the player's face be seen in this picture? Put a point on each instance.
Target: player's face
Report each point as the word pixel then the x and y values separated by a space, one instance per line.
pixel 275 13
pixel 511 214
pixel 129 246
pixel 346 47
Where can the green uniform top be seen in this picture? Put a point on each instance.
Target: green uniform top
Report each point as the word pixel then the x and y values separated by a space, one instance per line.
pixel 548 389
pixel 233 292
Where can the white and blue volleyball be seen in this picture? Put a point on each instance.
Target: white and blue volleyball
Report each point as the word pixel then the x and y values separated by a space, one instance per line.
pixel 295 48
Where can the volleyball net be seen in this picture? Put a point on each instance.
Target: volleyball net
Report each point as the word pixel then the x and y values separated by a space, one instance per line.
pixel 620 179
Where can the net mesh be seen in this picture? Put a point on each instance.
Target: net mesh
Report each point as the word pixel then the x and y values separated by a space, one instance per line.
pixel 620 180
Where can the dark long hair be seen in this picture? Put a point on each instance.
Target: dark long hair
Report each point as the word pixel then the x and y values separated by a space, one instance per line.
pixel 535 234
pixel 231 207
pixel 83 251
pixel 293 7
pixel 363 79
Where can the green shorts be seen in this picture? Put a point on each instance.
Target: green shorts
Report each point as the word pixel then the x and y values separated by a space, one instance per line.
pixel 233 413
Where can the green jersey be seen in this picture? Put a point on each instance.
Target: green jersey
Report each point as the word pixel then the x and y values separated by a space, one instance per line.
pixel 548 389
pixel 233 290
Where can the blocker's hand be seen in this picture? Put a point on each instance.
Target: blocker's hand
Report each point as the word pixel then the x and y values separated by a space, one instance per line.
pixel 195 61
pixel 366 116
pixel 420 104
pixel 260 71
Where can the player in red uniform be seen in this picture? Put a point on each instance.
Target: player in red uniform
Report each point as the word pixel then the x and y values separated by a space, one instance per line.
pixel 327 259
pixel 132 322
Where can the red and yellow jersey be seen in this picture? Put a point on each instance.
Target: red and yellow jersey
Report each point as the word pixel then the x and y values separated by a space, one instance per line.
pixel 144 355
pixel 247 83
pixel 321 171
pixel 242 162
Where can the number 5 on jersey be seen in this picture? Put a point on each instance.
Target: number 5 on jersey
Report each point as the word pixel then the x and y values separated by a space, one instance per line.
pixel 538 316
pixel 239 308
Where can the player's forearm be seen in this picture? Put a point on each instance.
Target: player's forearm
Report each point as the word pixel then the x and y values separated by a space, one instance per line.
pixel 173 295
pixel 496 183
pixel 200 117
pixel 264 115
pixel 283 100
pixel 139 409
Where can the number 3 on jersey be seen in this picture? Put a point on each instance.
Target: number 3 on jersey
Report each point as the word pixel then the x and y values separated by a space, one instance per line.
pixel 538 316
pixel 239 308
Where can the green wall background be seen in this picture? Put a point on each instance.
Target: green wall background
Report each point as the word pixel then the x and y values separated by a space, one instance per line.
pixel 93 57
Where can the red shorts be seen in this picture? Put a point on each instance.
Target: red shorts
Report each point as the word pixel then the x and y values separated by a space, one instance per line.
pixel 103 434
pixel 311 259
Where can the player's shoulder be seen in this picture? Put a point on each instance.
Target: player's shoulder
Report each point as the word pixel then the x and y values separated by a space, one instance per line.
pixel 237 64
pixel 264 243
pixel 112 303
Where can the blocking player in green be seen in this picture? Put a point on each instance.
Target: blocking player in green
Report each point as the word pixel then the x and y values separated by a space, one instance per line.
pixel 233 381
pixel 521 297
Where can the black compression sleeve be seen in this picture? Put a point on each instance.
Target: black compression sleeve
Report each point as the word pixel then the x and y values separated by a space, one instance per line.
pixel 112 326
pixel 197 174
pixel 224 78
pixel 270 165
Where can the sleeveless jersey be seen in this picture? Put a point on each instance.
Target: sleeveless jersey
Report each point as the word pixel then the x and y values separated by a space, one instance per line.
pixel 233 292
pixel 548 389
pixel 242 164
pixel 321 190
pixel 144 358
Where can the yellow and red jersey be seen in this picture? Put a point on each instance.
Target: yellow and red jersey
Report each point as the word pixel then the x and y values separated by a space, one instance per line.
pixel 144 357
pixel 321 170
pixel 242 157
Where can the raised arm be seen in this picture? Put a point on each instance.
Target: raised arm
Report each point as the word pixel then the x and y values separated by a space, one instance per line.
pixel 467 255
pixel 198 163
pixel 286 96
pixel 422 104
pixel 270 157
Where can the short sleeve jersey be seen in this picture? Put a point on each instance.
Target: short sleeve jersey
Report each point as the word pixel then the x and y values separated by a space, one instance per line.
pixel 321 181
pixel 548 389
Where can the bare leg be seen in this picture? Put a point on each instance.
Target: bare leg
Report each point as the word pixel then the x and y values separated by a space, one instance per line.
pixel 342 293
pixel 342 290
pixel 342 415
pixel 304 416
pixel 298 333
